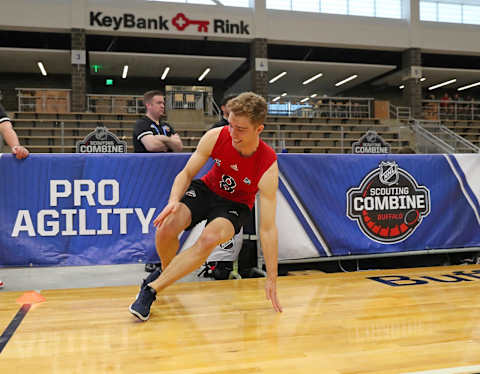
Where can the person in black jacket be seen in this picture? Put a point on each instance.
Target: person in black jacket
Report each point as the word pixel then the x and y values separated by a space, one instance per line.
pixel 151 134
pixel 11 138
pixel 225 112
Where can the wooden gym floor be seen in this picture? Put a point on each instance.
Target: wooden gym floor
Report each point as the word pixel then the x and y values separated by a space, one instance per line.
pixel 332 323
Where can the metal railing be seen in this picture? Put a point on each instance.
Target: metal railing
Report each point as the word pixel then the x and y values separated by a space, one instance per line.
pixel 194 100
pixel 451 110
pixel 115 104
pixel 400 112
pixel 43 100
pixel 440 139
pixel 324 107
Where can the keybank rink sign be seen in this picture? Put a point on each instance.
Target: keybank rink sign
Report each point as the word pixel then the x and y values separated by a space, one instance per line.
pixel 165 20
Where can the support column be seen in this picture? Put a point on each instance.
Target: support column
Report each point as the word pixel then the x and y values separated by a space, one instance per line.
pixel 258 49
pixel 9 99
pixel 412 93
pixel 79 74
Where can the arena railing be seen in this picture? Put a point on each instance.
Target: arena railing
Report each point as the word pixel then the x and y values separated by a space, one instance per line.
pixel 132 104
pixel 400 112
pixel 437 138
pixel 451 110
pixel 195 100
pixel 43 100
pixel 323 107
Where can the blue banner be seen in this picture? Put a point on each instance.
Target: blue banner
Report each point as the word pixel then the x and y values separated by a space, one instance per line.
pixel 64 209
pixel 370 204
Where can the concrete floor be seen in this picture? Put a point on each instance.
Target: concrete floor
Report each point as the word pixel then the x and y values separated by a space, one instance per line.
pixel 44 278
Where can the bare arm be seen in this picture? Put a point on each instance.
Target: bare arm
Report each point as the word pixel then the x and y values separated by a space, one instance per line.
pixel 268 231
pixel 11 139
pixel 174 142
pixel 162 143
pixel 193 166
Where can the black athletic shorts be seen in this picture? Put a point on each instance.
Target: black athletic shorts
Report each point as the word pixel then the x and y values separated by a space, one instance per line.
pixel 205 204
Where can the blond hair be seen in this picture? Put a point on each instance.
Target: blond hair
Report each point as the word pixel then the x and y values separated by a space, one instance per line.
pixel 250 105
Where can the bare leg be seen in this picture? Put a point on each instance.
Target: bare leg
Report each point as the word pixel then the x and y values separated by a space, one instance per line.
pixel 216 232
pixel 166 236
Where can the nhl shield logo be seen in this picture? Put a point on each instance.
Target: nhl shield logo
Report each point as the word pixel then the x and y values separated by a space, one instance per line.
pixel 388 173
pixel 389 204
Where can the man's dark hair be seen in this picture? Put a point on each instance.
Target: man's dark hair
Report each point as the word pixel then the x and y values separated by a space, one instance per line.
pixel 148 96
pixel 227 98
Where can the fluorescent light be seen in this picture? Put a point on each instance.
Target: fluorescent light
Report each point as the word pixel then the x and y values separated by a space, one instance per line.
pixel 469 86
pixel 274 79
pixel 165 72
pixel 312 78
pixel 204 74
pixel 423 79
pixel 442 84
pixel 346 80
pixel 283 94
pixel 276 99
pixel 401 87
pixel 314 95
pixel 125 71
pixel 42 68
pixel 303 100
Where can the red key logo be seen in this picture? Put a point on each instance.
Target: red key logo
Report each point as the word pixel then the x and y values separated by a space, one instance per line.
pixel 181 22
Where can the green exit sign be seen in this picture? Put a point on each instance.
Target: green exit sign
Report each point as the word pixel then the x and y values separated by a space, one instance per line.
pixel 96 68
pixel 108 82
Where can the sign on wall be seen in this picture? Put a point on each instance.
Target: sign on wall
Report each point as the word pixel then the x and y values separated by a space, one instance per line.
pixel 172 22
pixel 371 143
pixel 101 141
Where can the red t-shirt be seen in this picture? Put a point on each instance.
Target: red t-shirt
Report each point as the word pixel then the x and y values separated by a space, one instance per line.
pixel 233 176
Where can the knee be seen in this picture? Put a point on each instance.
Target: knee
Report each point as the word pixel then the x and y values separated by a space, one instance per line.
pixel 169 228
pixel 208 241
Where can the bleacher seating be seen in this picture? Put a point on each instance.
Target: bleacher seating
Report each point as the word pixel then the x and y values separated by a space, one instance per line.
pixel 42 132
pixel 467 129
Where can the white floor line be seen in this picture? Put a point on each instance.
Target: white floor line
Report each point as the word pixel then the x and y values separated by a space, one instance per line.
pixel 456 370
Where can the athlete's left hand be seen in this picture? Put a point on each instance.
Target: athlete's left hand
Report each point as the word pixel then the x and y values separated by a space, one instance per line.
pixel 271 293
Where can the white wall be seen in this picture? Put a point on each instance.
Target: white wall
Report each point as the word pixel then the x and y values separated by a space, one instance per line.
pixel 276 26
pixel 42 15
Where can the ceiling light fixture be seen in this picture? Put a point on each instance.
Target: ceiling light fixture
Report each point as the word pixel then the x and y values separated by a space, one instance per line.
pixel 165 72
pixel 274 79
pixel 352 77
pixel 423 79
pixel 469 86
pixel 283 94
pixel 314 95
pixel 204 74
pixel 312 78
pixel 42 68
pixel 303 100
pixel 401 87
pixel 276 99
pixel 442 84
pixel 125 71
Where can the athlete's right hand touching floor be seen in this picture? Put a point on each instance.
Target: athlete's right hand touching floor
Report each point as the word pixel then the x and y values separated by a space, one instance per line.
pixel 169 209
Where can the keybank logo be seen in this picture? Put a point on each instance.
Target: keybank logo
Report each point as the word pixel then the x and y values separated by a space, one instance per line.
pixel 179 22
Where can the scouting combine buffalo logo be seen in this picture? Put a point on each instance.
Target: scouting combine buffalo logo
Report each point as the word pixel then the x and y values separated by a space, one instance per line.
pixel 389 204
